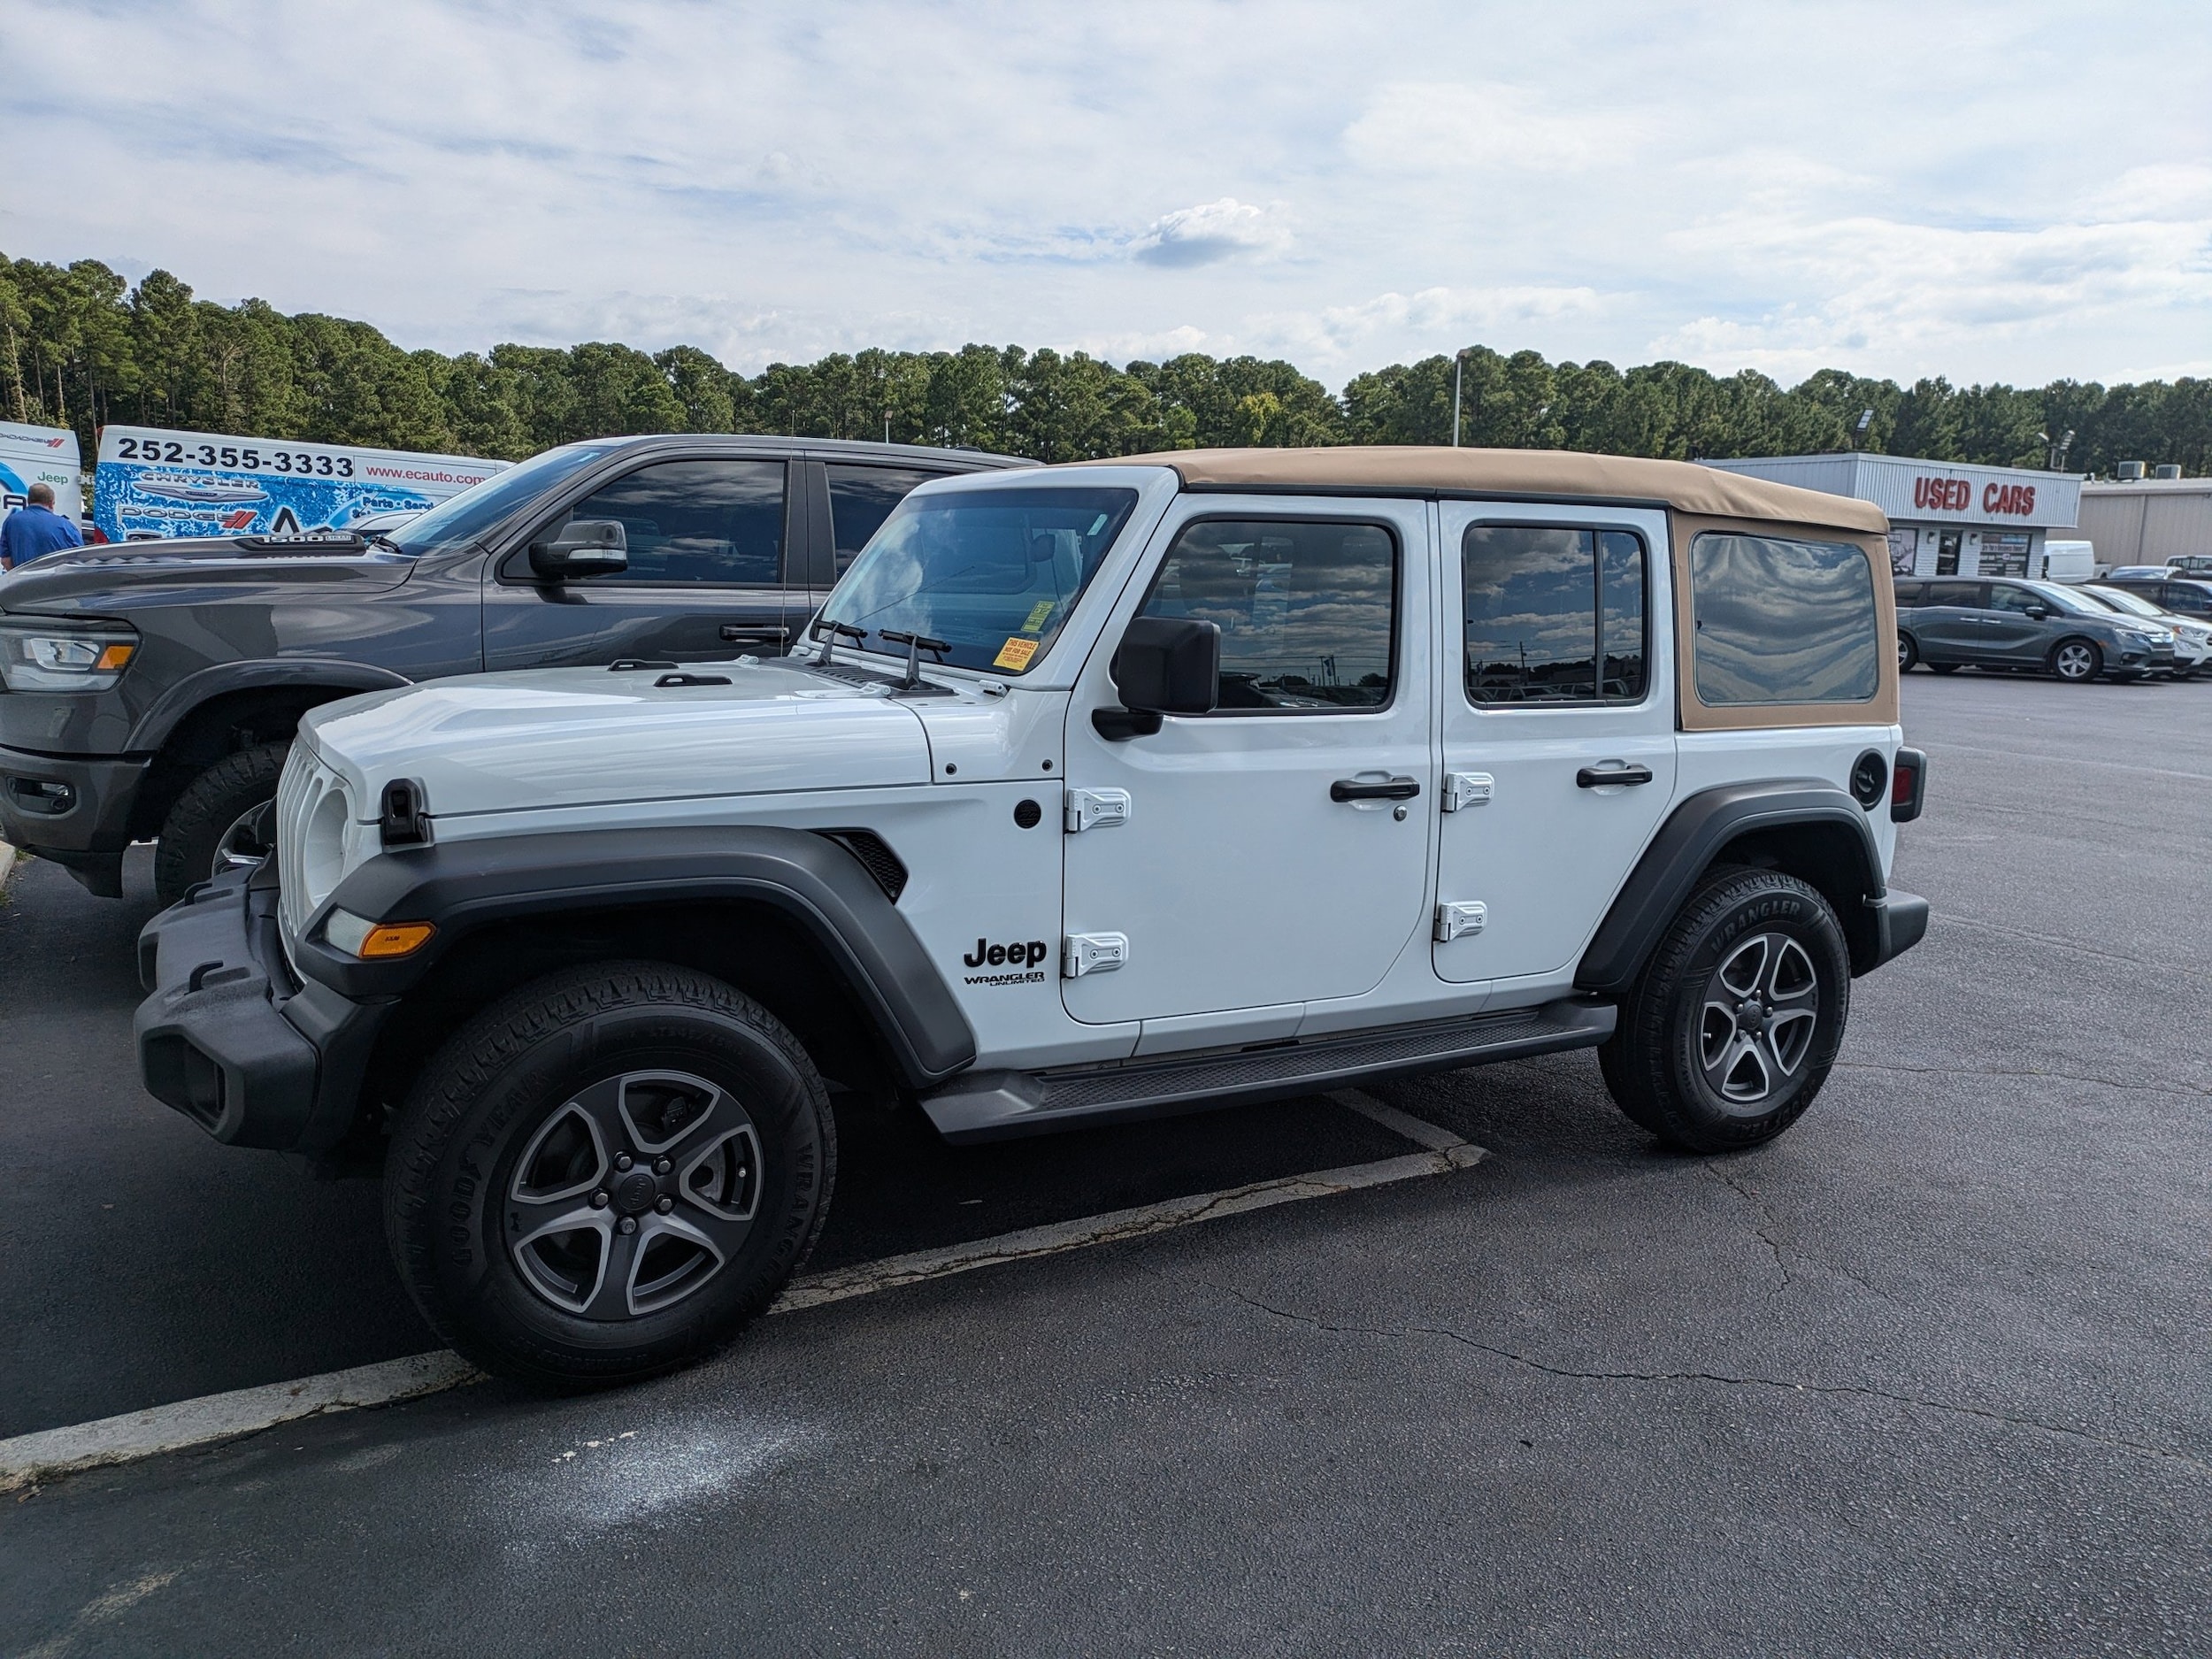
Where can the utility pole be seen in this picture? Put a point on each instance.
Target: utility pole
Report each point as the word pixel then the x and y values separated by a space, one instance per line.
pixel 1459 365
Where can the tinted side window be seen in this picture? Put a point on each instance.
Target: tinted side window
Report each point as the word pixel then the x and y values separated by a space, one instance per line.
pixel 1779 620
pixel 1307 611
pixel 2015 600
pixel 1967 594
pixel 861 498
pixel 1909 594
pixel 697 521
pixel 1545 606
pixel 2187 597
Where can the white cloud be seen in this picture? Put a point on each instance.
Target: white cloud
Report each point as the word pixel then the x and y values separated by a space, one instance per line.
pixel 1440 126
pixel 1210 233
pixel 1785 186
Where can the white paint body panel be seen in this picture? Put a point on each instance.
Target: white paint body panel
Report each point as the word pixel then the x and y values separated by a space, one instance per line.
pixel 1545 856
pixel 1239 883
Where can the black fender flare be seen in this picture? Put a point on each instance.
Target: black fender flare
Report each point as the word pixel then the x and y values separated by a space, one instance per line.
pixel 168 710
pixel 1694 832
pixel 814 882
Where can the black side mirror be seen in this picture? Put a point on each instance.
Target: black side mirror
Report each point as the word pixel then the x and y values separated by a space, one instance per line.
pixel 1164 665
pixel 584 547
pixel 2038 612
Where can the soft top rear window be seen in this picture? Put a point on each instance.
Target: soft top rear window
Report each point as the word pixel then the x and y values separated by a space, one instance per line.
pixel 1781 620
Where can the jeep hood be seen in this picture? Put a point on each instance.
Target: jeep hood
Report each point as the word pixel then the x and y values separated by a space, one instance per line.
pixel 113 580
pixel 579 737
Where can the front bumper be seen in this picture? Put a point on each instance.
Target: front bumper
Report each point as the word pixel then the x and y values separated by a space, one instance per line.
pixel 230 1039
pixel 73 810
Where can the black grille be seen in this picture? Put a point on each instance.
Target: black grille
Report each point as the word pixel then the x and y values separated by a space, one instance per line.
pixel 876 857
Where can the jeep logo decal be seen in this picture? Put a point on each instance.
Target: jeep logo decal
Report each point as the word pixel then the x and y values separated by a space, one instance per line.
pixel 1026 955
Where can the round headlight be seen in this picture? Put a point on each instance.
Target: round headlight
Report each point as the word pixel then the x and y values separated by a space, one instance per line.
pixel 323 846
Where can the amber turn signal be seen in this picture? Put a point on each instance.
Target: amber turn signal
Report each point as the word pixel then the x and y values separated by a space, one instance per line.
pixel 376 941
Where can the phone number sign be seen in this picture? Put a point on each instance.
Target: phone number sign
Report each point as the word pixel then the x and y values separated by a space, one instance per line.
pixel 150 483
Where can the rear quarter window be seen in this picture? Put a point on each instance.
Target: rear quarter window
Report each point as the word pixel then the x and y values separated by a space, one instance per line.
pixel 1780 620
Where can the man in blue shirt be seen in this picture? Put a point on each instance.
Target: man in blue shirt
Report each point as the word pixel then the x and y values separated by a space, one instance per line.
pixel 34 530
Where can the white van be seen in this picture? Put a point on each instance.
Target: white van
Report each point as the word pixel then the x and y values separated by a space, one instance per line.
pixel 40 455
pixel 2066 562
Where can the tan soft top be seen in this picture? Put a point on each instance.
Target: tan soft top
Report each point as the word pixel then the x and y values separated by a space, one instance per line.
pixel 1683 485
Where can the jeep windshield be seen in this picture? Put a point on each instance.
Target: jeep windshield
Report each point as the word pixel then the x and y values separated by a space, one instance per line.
pixel 458 520
pixel 989 575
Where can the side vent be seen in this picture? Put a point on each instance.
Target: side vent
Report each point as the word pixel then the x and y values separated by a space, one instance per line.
pixel 875 856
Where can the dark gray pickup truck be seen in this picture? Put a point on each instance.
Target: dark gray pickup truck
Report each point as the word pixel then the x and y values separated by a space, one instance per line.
pixel 151 690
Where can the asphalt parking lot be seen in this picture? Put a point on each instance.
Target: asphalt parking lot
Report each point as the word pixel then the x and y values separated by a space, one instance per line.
pixel 1929 1373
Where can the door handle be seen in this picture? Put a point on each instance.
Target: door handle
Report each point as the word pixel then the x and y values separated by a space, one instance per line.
pixel 755 634
pixel 1595 776
pixel 1598 777
pixel 1390 789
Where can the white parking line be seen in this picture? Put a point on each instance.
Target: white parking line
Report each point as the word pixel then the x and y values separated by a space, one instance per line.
pixel 30 1458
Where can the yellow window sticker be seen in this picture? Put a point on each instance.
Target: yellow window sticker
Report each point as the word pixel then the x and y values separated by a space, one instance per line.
pixel 1037 615
pixel 1015 653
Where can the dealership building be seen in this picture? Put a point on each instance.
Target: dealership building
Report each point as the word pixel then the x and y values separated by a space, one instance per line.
pixel 2147 520
pixel 1946 518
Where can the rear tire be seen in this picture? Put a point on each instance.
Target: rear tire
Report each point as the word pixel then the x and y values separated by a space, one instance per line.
pixel 1908 652
pixel 2076 662
pixel 226 819
pixel 1733 1025
pixel 608 1174
pixel 1944 668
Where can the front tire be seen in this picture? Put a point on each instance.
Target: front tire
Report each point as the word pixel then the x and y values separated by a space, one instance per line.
pixel 2076 662
pixel 1734 1023
pixel 608 1174
pixel 226 819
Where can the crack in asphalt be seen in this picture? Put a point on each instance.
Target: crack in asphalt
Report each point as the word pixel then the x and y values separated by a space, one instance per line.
pixel 2138 1088
pixel 1764 1237
pixel 1772 1384
pixel 1953 919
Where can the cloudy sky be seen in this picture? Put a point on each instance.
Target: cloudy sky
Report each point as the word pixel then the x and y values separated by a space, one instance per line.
pixel 2015 191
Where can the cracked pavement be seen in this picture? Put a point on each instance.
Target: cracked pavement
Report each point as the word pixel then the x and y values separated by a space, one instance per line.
pixel 1930 1373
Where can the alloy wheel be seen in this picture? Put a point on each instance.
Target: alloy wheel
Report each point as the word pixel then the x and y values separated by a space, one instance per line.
pixel 633 1194
pixel 248 839
pixel 2075 661
pixel 1762 1007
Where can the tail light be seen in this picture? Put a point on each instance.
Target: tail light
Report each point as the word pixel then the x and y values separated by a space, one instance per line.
pixel 1907 785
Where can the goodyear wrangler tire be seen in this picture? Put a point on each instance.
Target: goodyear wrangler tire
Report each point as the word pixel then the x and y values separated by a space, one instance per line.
pixel 608 1174
pixel 1732 1026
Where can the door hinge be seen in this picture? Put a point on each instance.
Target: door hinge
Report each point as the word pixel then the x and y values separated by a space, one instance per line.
pixel 1455 921
pixel 1096 809
pixel 1467 789
pixel 1092 952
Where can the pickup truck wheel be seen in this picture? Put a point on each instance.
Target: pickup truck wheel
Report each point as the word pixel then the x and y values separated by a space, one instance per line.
pixel 608 1174
pixel 1730 1030
pixel 226 819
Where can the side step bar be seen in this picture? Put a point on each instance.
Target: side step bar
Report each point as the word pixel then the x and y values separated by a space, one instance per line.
pixel 993 1105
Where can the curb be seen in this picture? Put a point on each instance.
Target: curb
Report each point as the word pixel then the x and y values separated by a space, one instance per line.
pixel 7 863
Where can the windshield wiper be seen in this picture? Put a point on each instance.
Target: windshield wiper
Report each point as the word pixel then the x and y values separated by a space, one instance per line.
pixel 915 644
pixel 829 646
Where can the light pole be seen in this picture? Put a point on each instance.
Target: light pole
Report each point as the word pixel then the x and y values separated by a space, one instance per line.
pixel 1459 365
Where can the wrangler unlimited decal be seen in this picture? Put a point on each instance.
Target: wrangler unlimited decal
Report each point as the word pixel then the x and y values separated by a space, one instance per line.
pixel 1021 958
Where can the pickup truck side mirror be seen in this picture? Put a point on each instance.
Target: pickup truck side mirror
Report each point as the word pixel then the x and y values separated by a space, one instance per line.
pixel 584 547
pixel 1164 665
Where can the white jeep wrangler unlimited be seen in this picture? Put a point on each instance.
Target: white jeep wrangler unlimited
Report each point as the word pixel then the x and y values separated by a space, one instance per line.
pixel 1102 791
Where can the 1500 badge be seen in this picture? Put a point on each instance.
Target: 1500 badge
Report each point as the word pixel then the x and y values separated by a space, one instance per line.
pixel 1018 961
